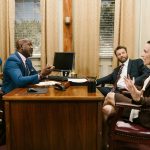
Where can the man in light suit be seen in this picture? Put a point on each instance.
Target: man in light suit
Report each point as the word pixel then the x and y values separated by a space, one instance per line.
pixel 135 68
pixel 18 70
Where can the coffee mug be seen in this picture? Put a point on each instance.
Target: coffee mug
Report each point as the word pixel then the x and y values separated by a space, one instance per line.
pixel 91 85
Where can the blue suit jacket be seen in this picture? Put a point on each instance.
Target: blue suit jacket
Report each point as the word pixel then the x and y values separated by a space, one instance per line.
pixel 136 69
pixel 15 73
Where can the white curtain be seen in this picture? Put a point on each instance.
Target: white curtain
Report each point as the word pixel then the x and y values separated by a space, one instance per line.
pixel 7 20
pixel 49 44
pixel 125 26
pixel 86 19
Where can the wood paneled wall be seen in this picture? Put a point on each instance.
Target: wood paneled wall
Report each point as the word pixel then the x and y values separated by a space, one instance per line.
pixel 67 25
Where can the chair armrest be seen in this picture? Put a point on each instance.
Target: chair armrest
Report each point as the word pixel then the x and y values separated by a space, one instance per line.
pixel 120 106
pixel 100 85
pixel 128 105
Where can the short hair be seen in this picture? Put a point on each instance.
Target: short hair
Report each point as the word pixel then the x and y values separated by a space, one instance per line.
pixel 20 42
pixel 119 47
pixel 148 42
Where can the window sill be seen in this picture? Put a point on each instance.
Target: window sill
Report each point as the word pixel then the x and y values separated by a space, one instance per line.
pixel 36 56
pixel 105 56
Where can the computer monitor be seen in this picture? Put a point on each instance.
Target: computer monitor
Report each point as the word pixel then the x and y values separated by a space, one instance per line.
pixel 64 61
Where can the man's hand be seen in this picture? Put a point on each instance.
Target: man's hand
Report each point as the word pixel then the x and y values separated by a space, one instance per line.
pixel 47 70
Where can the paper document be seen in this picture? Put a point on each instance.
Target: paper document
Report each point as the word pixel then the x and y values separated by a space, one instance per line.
pixel 77 80
pixel 47 83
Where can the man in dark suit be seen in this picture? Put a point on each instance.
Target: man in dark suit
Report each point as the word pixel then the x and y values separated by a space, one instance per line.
pixel 135 68
pixel 18 70
pixel 141 97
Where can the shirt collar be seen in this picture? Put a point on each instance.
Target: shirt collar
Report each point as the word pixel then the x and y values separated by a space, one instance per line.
pixel 126 62
pixel 22 57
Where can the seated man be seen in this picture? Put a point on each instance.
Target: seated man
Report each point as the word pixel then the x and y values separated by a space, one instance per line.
pixel 135 68
pixel 18 70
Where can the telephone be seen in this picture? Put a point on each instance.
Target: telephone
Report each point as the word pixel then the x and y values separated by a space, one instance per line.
pixel 60 87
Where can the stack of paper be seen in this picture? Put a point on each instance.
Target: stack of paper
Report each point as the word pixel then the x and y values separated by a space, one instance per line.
pixel 47 83
pixel 77 80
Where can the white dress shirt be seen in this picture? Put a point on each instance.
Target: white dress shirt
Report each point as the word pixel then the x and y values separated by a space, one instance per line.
pixel 121 83
pixel 23 58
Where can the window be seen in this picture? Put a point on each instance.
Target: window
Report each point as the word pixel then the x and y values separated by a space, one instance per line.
pixel 107 28
pixel 27 22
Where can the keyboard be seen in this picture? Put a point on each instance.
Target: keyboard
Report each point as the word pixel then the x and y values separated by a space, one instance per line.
pixel 57 78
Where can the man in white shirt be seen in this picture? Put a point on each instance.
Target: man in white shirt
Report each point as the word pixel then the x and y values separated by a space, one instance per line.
pixel 135 68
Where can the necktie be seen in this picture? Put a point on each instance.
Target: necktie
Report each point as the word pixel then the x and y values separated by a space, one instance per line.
pixel 118 76
pixel 119 72
pixel 27 68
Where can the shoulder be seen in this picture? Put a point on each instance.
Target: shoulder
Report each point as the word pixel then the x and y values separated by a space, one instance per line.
pixel 12 60
pixel 13 57
pixel 136 61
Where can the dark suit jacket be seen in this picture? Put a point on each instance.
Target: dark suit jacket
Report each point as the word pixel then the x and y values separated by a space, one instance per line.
pixel 15 73
pixel 136 69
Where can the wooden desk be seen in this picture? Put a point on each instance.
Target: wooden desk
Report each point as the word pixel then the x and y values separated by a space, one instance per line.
pixel 57 120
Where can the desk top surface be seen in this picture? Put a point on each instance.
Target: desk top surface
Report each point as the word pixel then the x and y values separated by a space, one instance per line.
pixel 76 93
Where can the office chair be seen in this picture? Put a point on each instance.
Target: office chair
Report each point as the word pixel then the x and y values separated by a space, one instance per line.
pixel 2 123
pixel 2 116
pixel 127 135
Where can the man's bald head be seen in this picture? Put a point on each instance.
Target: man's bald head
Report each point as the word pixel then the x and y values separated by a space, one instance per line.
pixel 24 46
pixel 20 42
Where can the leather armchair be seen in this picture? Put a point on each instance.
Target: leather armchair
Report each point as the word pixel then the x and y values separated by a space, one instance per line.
pixel 128 135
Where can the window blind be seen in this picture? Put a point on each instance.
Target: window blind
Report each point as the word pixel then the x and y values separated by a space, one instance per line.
pixel 27 22
pixel 107 28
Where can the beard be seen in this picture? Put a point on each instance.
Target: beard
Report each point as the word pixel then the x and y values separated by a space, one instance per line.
pixel 123 59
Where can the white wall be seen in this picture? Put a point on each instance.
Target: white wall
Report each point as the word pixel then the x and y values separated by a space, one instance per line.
pixel 105 66
pixel 143 24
